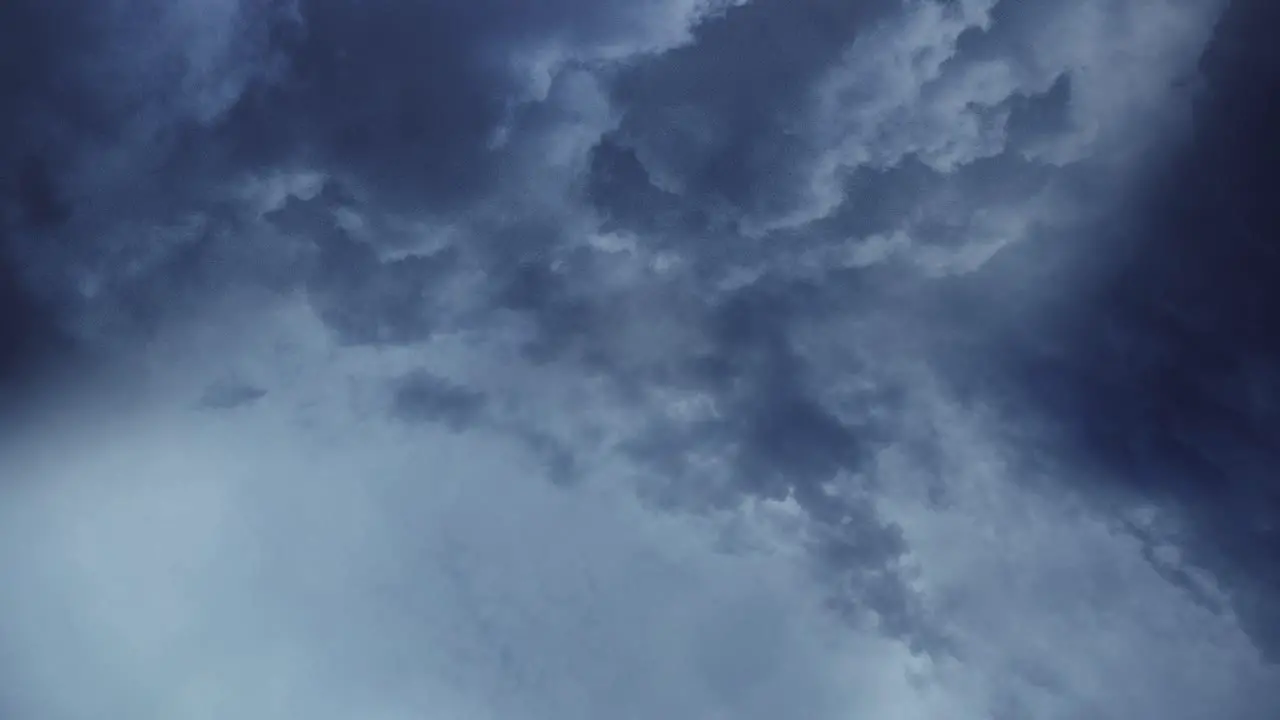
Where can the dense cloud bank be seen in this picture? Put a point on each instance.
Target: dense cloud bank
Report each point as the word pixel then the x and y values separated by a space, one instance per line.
pixel 1163 374
pixel 554 359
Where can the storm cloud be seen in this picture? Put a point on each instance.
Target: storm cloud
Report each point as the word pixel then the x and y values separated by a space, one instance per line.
pixel 677 358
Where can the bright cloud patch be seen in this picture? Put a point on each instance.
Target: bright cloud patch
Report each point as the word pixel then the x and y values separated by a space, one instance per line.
pixel 307 554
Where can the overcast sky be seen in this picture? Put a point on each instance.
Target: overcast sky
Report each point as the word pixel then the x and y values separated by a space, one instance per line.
pixel 639 359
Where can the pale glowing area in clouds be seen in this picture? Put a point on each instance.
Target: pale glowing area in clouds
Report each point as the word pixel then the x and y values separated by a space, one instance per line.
pixel 306 556
pixel 177 563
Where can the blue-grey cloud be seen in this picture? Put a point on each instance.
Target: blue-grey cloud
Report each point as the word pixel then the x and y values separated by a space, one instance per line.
pixel 1160 376
pixel 835 324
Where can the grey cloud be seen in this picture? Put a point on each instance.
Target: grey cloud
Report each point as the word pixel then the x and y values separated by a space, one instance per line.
pixel 1154 375
pixel 756 232
pixel 423 397
pixel 724 147
pixel 39 201
pixel 560 464
pixel 419 137
pixel 84 87
pixel 946 86
pixel 404 104
pixel 563 318
pixel 498 592
pixel 31 341
pixel 414 102
pixel 367 300
pixel 230 394
pixel 423 141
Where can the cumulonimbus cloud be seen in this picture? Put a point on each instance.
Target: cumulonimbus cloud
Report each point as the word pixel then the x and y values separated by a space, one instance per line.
pixel 448 322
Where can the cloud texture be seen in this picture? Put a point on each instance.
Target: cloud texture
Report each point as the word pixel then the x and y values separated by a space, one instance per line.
pixel 679 358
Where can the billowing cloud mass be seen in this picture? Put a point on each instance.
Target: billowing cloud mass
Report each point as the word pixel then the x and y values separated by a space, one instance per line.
pixel 650 359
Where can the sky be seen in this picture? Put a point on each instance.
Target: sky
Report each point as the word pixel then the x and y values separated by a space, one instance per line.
pixel 680 359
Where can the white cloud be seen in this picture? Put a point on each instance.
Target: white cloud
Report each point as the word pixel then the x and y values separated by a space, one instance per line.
pixel 911 89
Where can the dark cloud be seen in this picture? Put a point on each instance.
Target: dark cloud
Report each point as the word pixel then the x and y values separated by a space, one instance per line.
pixel 562 318
pixel 1160 373
pixel 750 248
pixel 562 466
pixel 400 99
pixel 423 397
pixel 229 394
pixel 31 341
pixel 38 199
pixel 734 148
